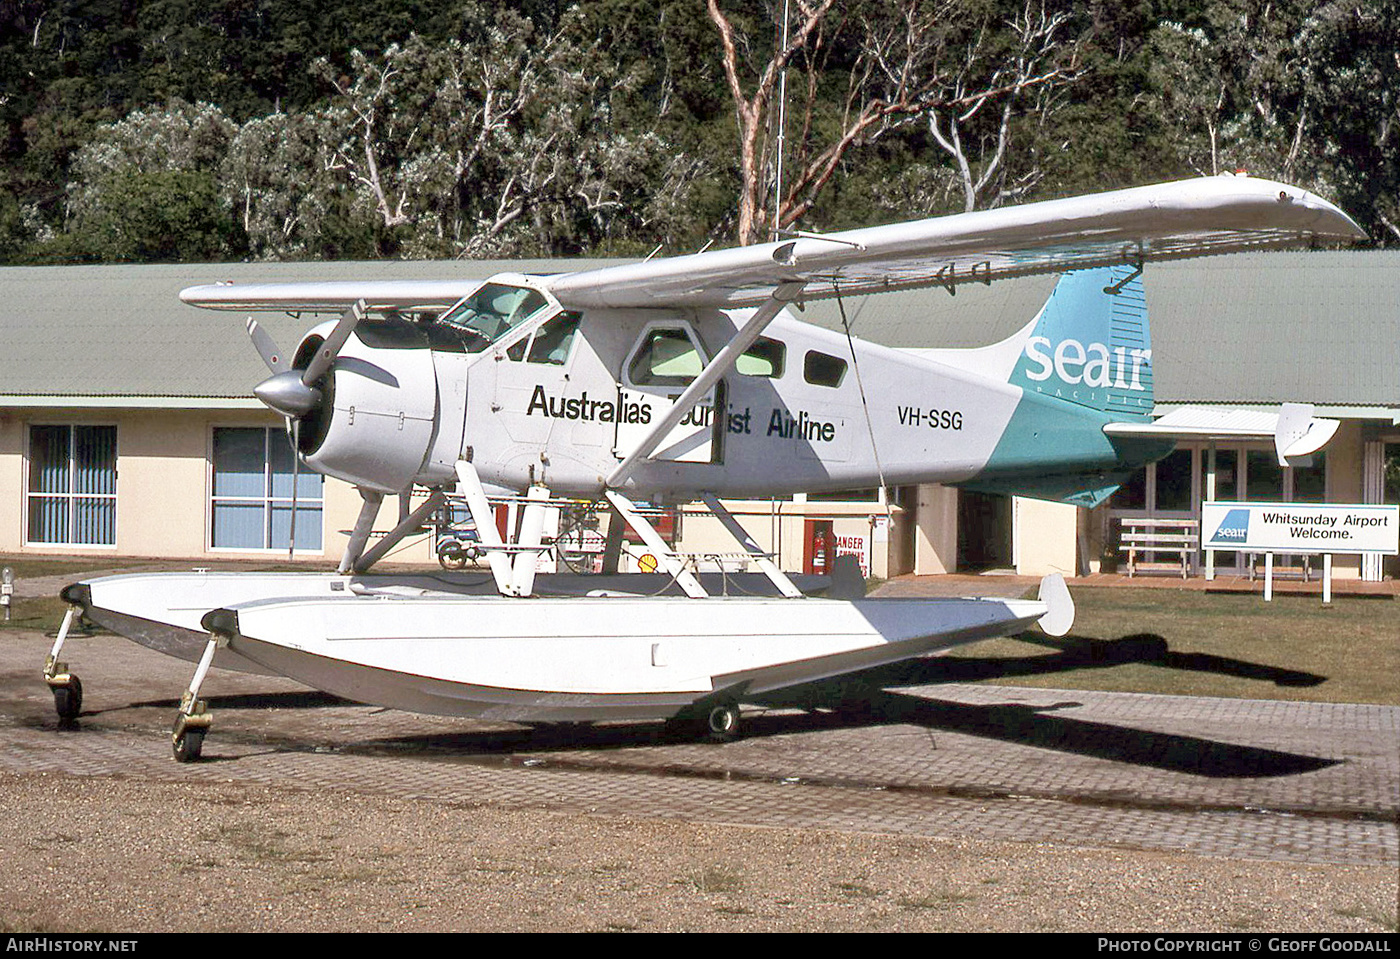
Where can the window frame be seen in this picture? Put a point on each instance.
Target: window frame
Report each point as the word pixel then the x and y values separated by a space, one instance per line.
pixel 70 496
pixel 641 342
pixel 812 372
pixel 267 500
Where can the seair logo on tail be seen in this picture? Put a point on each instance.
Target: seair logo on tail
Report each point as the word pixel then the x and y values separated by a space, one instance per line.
pixel 1233 529
pixel 1090 344
pixel 1092 364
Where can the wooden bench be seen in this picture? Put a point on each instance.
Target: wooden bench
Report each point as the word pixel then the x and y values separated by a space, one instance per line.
pixel 1302 569
pixel 1179 536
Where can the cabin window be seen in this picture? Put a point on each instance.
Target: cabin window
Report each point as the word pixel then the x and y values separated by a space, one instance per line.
pixel 666 357
pixel 73 485
pixel 491 312
pixel 821 369
pixel 251 504
pixel 767 357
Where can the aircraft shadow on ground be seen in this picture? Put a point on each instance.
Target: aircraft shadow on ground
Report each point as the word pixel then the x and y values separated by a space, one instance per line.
pixel 1037 726
pixel 1081 652
pixel 299 699
pixel 1008 722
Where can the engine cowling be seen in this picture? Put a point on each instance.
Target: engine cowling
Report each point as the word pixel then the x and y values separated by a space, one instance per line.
pixel 375 422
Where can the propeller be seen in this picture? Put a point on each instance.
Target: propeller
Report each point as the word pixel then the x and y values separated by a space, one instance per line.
pixel 293 392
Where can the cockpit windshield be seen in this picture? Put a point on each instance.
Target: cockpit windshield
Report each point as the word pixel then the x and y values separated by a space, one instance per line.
pixel 490 313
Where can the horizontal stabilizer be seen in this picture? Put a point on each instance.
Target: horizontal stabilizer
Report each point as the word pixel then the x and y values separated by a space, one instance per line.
pixel 1059 606
pixel 1295 432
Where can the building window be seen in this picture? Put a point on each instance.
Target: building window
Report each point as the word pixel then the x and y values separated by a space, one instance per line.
pixel 73 485
pixel 252 492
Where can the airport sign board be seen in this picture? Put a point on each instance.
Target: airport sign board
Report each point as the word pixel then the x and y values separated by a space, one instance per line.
pixel 1300 528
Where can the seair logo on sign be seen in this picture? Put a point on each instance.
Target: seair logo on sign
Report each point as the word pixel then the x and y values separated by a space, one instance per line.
pixel 1234 528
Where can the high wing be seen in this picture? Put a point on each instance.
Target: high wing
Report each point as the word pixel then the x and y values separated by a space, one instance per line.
pixel 330 296
pixel 1207 215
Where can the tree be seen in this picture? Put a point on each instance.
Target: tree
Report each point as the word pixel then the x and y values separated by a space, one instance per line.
pixel 503 143
pixel 161 216
pixel 1288 90
pixel 146 188
pixel 987 90
pixel 948 62
pixel 274 179
pixel 1352 48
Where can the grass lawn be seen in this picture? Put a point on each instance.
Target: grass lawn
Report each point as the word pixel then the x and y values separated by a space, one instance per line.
pixel 1191 643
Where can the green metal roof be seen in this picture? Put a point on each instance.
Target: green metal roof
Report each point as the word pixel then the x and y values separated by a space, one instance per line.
pixel 1243 329
pixel 110 334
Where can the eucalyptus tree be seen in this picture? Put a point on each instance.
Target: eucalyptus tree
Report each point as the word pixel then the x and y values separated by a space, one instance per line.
pixel 502 142
pixel 1291 90
pixel 862 71
pixel 145 188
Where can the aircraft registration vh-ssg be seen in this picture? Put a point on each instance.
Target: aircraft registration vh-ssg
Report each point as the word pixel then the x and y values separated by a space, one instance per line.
pixel 682 379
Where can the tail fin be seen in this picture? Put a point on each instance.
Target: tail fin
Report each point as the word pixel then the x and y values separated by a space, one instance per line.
pixel 1084 362
pixel 1090 344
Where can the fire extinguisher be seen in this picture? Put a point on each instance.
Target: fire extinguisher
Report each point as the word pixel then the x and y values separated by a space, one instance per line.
pixel 819 548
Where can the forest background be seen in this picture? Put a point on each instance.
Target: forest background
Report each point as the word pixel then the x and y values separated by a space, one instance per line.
pixel 214 130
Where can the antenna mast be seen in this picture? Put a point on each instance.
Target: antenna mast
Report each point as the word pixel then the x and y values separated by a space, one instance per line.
pixel 782 127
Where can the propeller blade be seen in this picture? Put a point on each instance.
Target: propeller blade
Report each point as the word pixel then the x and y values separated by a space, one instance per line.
pixel 331 347
pixel 275 359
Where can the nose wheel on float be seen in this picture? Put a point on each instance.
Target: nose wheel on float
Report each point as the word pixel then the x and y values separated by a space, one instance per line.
pixel 67 688
pixel 193 719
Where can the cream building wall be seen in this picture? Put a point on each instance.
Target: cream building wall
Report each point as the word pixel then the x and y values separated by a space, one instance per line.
pixel 164 487
pixel 1044 537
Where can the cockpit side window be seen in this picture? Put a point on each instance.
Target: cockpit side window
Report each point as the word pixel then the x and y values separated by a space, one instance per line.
pixel 553 339
pixel 490 313
pixel 548 344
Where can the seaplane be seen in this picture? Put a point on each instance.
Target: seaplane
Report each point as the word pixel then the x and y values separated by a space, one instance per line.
pixel 675 380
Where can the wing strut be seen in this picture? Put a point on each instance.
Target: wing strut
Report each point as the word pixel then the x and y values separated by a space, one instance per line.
pixel 722 363
pixel 741 535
